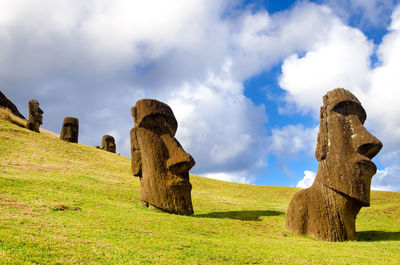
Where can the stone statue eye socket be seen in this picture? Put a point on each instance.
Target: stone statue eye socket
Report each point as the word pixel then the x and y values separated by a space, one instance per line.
pixel 350 107
pixel 155 123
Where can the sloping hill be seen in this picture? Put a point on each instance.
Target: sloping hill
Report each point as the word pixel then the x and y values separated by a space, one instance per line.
pixel 105 224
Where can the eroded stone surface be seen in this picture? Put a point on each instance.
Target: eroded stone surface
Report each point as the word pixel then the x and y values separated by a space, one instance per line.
pixel 7 103
pixel 108 143
pixel 159 160
pixel 70 130
pixel 35 116
pixel 328 209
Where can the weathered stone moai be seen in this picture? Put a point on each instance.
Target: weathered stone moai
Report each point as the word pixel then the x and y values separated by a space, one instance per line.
pixel 35 116
pixel 159 160
pixel 328 209
pixel 70 130
pixel 108 143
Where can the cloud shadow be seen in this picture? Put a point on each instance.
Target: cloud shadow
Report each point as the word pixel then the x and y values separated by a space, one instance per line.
pixel 377 236
pixel 240 215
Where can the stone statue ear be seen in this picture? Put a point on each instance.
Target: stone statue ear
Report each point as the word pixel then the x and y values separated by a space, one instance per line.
pixel 322 141
pixel 134 113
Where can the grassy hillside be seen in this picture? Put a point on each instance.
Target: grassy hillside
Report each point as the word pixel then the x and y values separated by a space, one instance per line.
pixel 105 224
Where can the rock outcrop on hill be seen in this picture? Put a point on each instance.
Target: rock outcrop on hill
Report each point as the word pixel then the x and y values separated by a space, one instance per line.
pixel 328 209
pixel 7 103
pixel 159 159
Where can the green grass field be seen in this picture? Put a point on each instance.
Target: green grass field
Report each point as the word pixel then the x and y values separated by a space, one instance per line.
pixel 105 224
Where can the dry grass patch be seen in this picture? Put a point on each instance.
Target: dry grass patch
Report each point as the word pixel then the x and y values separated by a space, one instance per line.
pixel 6 114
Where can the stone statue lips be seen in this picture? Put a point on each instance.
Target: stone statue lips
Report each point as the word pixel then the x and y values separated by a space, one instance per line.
pixel 179 170
pixel 364 155
pixel 179 182
pixel 367 166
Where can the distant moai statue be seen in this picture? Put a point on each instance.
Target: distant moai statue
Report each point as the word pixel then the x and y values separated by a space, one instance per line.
pixel 108 143
pixel 159 160
pixel 35 116
pixel 70 130
pixel 328 209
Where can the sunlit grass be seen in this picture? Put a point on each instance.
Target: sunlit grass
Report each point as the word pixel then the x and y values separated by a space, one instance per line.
pixel 103 222
pixel 6 114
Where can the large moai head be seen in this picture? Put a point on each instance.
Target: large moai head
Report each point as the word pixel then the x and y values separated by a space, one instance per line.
pixel 345 148
pixel 159 160
pixel 35 116
pixel 108 143
pixel 328 209
pixel 70 130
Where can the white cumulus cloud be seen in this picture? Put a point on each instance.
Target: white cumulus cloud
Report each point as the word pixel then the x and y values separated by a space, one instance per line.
pixel 387 179
pixel 292 141
pixel 239 177
pixel 307 180
pixel 339 60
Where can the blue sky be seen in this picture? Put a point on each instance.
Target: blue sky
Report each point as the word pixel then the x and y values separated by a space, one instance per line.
pixel 245 79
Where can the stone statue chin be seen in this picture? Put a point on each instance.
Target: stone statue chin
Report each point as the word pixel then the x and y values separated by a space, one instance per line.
pixel 328 209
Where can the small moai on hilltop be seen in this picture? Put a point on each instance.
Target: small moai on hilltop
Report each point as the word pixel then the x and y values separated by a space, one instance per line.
pixel 159 160
pixel 35 116
pixel 70 130
pixel 108 143
pixel 328 209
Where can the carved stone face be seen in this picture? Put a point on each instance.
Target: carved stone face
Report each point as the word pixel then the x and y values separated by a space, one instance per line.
pixel 345 148
pixel 108 143
pixel 70 130
pixel 159 160
pixel 35 112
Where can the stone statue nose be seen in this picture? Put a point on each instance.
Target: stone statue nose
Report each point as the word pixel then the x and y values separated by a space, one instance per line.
pixel 179 162
pixel 69 130
pixel 364 142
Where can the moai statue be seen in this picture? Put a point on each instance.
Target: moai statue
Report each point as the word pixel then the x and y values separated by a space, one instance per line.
pixel 328 209
pixel 159 160
pixel 108 143
pixel 70 130
pixel 35 116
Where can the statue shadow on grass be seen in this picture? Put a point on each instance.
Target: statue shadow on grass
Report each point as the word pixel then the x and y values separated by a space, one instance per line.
pixel 240 215
pixel 377 236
